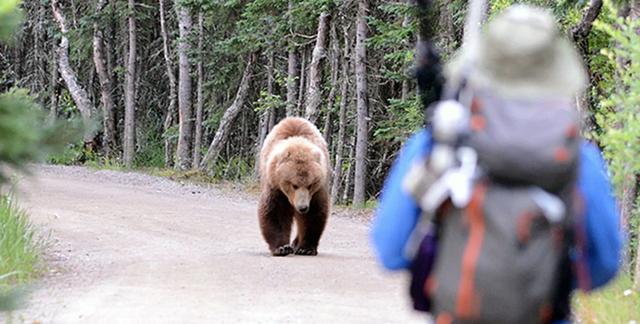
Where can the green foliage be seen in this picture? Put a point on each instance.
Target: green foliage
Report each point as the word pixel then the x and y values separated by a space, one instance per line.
pixel 235 168
pixel 268 101
pixel 620 116
pixel 25 136
pixel 404 118
pixel 70 155
pixel 393 39
pixel 9 18
pixel 152 153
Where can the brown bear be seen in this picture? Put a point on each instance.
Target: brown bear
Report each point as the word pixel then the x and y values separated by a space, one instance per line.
pixel 294 176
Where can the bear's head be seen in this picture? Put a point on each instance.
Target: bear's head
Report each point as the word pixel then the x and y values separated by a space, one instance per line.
pixel 299 169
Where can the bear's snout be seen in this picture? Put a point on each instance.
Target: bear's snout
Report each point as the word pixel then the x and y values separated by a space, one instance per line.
pixel 302 200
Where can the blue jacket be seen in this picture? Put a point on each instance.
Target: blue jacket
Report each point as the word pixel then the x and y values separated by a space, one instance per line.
pixel 597 259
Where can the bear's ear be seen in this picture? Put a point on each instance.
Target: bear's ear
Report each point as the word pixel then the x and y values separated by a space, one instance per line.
pixel 317 156
pixel 284 156
pixel 279 155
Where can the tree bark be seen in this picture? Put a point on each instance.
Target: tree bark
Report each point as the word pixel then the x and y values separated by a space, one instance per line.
pixel 303 70
pixel 129 93
pixel 335 57
pixel 406 20
pixel 106 88
pixel 53 89
pixel 447 37
pixel 359 191
pixel 314 92
pixel 632 186
pixel 580 35
pixel 349 174
pixel 291 71
pixel 199 98
pixel 342 117
pixel 78 93
pixel 265 116
pixel 171 108
pixel 229 115
pixel 185 137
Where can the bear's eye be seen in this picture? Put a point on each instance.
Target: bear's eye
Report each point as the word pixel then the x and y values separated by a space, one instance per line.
pixel 295 187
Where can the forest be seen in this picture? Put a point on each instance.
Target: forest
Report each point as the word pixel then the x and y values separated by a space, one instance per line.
pixel 196 85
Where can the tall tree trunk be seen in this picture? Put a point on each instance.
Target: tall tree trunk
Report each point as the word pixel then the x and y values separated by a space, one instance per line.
pixel 314 92
pixel 291 70
pixel 199 99
pixel 349 173
pixel 130 92
pixel 632 186
pixel 171 108
pixel 359 190
pixel 447 36
pixel 580 34
pixel 335 58
pixel 53 89
pixel 265 116
pixel 291 82
pixel 342 117
pixel 229 115
pixel 185 137
pixel 106 88
pixel 78 93
pixel 303 71
pixel 406 20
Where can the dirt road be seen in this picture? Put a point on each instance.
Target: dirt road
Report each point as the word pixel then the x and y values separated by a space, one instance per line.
pixel 130 248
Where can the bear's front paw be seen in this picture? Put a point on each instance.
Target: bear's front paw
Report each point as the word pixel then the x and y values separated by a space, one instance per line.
pixel 282 250
pixel 306 251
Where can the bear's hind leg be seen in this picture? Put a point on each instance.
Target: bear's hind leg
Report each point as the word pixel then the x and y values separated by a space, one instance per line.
pixel 276 217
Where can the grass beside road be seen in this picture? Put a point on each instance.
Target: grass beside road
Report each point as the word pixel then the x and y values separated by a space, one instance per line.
pixel 19 252
pixel 616 303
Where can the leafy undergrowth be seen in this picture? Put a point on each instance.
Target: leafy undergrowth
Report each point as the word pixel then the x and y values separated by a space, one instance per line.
pixel 617 303
pixel 19 253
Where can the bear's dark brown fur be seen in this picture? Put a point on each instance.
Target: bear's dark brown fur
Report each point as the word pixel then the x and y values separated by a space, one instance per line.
pixel 294 176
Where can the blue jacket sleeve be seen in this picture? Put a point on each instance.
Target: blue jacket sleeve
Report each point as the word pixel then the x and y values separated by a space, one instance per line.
pixel 397 212
pixel 601 220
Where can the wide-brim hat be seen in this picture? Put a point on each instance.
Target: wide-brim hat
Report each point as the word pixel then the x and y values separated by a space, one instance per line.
pixel 522 54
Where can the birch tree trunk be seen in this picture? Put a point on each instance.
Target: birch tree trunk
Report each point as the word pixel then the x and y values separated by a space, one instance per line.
pixel 78 93
pixel 359 190
pixel 171 108
pixel 229 115
pixel 314 92
pixel 185 137
pixel 129 93
pixel 199 99
pixel 106 88
pixel 342 117
pixel 291 71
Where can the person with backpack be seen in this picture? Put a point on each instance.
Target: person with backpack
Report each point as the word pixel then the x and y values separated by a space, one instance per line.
pixel 498 208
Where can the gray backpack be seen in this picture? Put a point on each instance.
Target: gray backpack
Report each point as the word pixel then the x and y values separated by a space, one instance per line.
pixel 503 258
